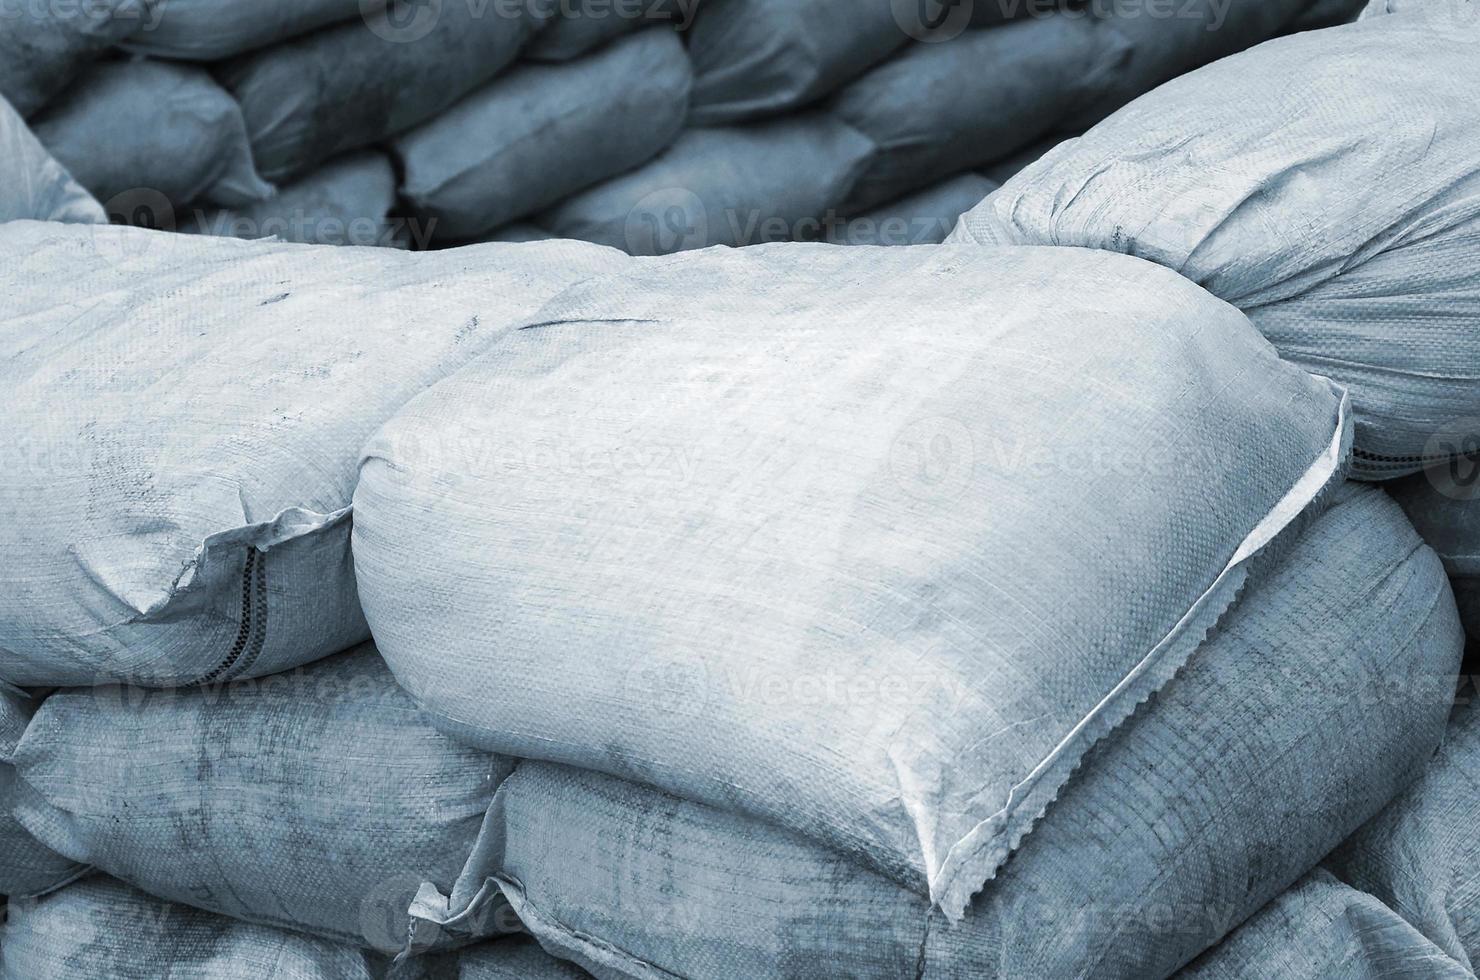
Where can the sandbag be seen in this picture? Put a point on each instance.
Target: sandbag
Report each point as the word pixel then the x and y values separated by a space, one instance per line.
pixel 936 108
pixel 209 30
pixel 925 218
pixel 44 46
pixel 348 86
pixel 1230 784
pixel 753 491
pixel 1269 201
pixel 543 132
pixel 741 185
pixel 1419 856
pixel 1321 929
pixel 27 867
pixel 577 28
pixel 519 231
pixel 756 58
pixel 33 184
pixel 1462 11
pixel 514 959
pixel 348 201
pixel 1443 503
pixel 101 928
pixel 190 411
pixel 152 129
pixel 317 800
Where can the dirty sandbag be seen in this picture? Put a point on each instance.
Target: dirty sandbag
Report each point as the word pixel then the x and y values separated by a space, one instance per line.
pixel 1270 202
pixel 171 522
pixel 739 185
pixel 27 867
pixel 152 131
pixel 739 389
pixel 543 132
pixel 101 927
pixel 577 28
pixel 34 185
pixel 925 218
pixel 345 87
pixel 209 30
pixel 348 201
pixel 317 800
pixel 756 58
pixel 45 45
pixel 1176 827
pixel 1443 502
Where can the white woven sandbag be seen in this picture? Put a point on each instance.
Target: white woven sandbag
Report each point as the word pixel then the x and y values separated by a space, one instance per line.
pixel 1322 929
pixel 348 201
pixel 354 84
pixel 1460 11
pixel 32 183
pixel 152 129
pixel 756 58
pixel 924 218
pixel 101 928
pixel 1222 791
pixel 208 30
pixel 1419 856
pixel 543 132
pixel 27 867
pixel 1354 255
pixel 997 497
pixel 43 46
pixel 740 185
pixel 188 414
pixel 1443 502
pixel 317 800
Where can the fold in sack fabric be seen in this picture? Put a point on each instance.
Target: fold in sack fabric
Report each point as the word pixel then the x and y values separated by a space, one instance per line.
pixel 874 543
pixel 209 30
pixel 27 867
pixel 189 413
pixel 1443 502
pixel 32 184
pixel 1219 793
pixel 1354 255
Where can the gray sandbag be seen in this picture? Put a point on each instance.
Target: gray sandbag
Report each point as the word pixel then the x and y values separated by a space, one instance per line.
pixel 32 184
pixel 209 30
pixel 925 218
pixel 514 959
pixel 101 928
pixel 756 58
pixel 43 46
pixel 317 800
pixel 1355 256
pixel 872 441
pixel 1421 856
pixel 152 130
pixel 1323 929
pixel 1220 792
pixel 27 867
pixel 190 412
pixel 1328 13
pixel 543 132
pixel 741 185
pixel 1443 502
pixel 520 231
pixel 345 87
pixel 937 109
pixel 348 201
pixel 580 26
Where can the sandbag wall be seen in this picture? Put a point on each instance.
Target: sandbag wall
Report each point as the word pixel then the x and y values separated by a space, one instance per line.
pixel 649 125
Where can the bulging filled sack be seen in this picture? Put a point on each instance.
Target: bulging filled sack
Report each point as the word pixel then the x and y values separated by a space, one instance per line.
pixel 345 87
pixel 27 867
pixel 103 928
pixel 317 800
pixel 925 218
pixel 1354 255
pixel 543 132
pixel 1324 928
pixel 188 414
pixel 1225 788
pixel 1443 502
pixel 997 498
pixel 742 185
pixel 577 28
pixel 152 129
pixel 32 184
pixel 43 46
pixel 208 30
pixel 757 58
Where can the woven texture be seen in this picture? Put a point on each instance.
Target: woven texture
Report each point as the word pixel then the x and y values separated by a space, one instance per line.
pixel 871 542
pixel 27 866
pixel 1443 502
pixel 32 183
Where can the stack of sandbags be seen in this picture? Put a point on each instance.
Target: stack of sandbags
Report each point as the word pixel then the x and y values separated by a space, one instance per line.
pixel 33 185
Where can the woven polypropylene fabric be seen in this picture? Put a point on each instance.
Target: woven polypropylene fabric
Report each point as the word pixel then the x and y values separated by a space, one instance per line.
pixel 1443 502
pixel 189 413
pixel 27 866
pixel 1354 255
pixel 102 928
pixel 32 184
pixel 871 542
